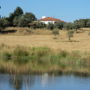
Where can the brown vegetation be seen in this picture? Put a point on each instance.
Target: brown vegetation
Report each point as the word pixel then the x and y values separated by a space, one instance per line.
pixel 39 38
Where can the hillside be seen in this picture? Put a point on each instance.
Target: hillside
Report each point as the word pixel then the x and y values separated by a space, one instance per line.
pixel 40 38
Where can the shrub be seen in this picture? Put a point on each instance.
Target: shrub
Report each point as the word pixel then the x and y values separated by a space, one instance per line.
pixel 59 25
pixel 76 26
pixel 55 32
pixel 50 26
pixel 70 34
pixel 41 55
pixel 63 54
pixel 26 19
pixel 3 23
pixel 40 25
pixel 20 55
pixel 6 56
pixel 69 26
pixel 41 51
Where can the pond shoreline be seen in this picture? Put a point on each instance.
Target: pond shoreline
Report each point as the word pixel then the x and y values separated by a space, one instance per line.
pixel 60 73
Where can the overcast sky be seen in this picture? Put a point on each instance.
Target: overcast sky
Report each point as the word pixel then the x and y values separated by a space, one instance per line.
pixel 67 10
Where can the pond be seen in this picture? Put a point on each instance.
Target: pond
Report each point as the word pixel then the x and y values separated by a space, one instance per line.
pixel 44 82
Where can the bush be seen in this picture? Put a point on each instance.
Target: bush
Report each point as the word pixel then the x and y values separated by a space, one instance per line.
pixel 36 24
pixel 76 26
pixel 69 26
pixel 70 34
pixel 6 56
pixel 59 25
pixel 41 55
pixel 41 51
pixel 20 56
pixel 26 19
pixel 50 26
pixel 55 32
pixel 40 25
pixel 4 22
pixel 63 54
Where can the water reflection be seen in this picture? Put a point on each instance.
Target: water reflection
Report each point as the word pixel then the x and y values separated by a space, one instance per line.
pixel 20 82
pixel 16 82
pixel 47 79
pixel 28 81
pixel 43 82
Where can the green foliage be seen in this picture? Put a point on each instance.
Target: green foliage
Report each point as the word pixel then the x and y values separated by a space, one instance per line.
pixel 59 25
pixel 80 22
pixel 20 55
pixel 40 55
pixel 11 18
pixel 70 34
pixel 37 24
pixel 16 20
pixel 63 54
pixel 18 12
pixel 6 56
pixel 69 26
pixel 83 22
pixel 4 22
pixel 88 23
pixel 22 22
pixel 50 26
pixel 76 26
pixel 41 51
pixel 55 32
pixel 26 19
pixel 40 25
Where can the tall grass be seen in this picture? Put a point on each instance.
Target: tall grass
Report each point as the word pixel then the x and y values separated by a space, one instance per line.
pixel 42 59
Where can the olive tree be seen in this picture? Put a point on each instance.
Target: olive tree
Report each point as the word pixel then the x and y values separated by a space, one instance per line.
pixel 69 26
pixel 3 23
pixel 70 34
pixel 76 26
pixel 50 26
pixel 17 12
pixel 59 25
pixel 55 32
pixel 25 19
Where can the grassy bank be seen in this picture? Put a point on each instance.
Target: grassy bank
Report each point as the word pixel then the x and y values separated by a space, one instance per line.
pixel 42 59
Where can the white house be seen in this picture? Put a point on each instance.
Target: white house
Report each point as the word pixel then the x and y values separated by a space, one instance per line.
pixel 47 20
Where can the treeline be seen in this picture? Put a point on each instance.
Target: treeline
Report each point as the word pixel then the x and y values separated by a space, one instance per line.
pixel 17 18
pixel 20 19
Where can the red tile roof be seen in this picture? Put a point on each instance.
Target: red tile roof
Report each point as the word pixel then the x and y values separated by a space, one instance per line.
pixel 51 19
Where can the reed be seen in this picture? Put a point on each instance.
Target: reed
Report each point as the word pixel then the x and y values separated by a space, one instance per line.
pixel 42 59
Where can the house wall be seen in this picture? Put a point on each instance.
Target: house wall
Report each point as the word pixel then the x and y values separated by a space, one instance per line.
pixel 47 22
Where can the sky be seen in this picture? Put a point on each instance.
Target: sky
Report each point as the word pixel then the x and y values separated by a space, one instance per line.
pixel 67 10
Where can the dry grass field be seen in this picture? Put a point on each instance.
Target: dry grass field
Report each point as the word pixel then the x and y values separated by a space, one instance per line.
pixel 80 41
pixel 40 59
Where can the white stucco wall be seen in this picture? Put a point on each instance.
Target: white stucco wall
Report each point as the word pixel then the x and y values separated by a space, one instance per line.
pixel 47 22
